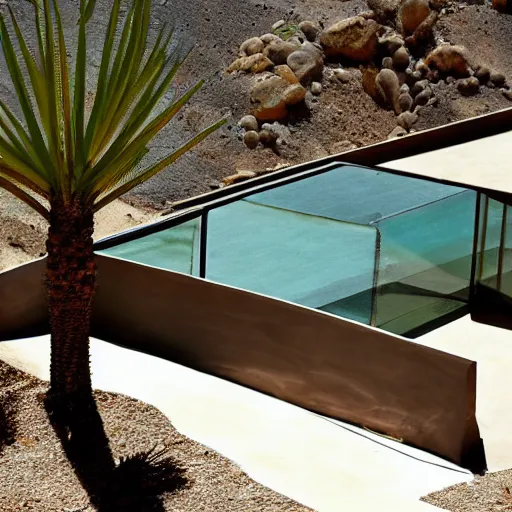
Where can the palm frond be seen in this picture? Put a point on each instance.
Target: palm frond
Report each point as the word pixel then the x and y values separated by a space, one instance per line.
pixel 24 196
pixel 59 151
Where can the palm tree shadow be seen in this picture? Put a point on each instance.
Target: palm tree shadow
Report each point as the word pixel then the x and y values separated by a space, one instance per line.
pixel 135 483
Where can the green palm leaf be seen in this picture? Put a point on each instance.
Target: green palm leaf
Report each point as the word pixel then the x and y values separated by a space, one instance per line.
pixel 58 152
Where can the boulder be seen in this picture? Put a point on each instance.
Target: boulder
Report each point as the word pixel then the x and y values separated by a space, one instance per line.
pixel 251 47
pixel 256 63
pixel 405 101
pixel 269 38
pixel 251 139
pixel 411 14
pixel 387 85
pixel 450 60
pixel 385 10
pixel 286 73
pixel 354 38
pixel 468 86
pixel 418 87
pixel 438 5
pixel 271 97
pixel 281 132
pixel 483 74
pixel 498 79
pixel 309 29
pixel 507 93
pixel 307 63
pixel 503 6
pixel 401 59
pixel 433 76
pixel 423 97
pixel 267 138
pixel 421 67
pixel 369 83
pixel 425 30
pixel 391 42
pixel 248 123
pixel 406 120
pixel 278 51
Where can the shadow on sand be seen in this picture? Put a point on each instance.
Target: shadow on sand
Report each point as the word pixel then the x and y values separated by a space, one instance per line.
pixel 8 427
pixel 135 483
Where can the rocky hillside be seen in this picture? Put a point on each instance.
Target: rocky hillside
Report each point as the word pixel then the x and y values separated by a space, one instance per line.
pixel 395 60
pixel 319 76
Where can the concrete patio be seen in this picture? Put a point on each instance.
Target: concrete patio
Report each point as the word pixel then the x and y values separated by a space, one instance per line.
pixel 322 463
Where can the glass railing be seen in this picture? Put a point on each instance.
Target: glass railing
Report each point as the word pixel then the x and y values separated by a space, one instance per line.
pixel 384 249
pixel 176 248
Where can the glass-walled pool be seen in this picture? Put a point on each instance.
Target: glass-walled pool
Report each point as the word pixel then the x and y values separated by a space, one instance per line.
pixel 383 249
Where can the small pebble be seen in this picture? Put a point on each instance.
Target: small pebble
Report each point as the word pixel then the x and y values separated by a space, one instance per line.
pixel 401 59
pixel 423 97
pixel 387 62
pixel 249 123
pixel 278 24
pixel 342 75
pixel 267 138
pixel 309 29
pixel 251 139
pixel 507 93
pixel 316 88
pixel 498 79
pixel 483 74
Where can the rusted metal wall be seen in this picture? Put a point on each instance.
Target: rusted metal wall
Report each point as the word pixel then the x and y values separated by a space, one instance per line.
pixel 317 361
pixel 23 311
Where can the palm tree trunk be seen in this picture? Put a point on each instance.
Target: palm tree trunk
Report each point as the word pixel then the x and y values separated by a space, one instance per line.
pixel 71 283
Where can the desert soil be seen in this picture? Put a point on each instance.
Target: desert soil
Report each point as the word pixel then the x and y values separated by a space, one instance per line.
pixel 491 493
pixel 36 475
pixel 216 28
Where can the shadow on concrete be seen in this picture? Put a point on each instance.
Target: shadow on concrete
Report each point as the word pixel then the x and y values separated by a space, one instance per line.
pixel 135 483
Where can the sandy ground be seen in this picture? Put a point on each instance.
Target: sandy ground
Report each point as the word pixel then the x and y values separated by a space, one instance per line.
pixel 30 452
pixel 23 232
pixel 491 493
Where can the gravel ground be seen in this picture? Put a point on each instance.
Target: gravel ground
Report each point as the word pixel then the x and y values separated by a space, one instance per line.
pixel 490 493
pixel 36 475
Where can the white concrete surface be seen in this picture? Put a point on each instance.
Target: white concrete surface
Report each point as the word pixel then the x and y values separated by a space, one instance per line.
pixel 491 348
pixel 482 163
pixel 321 463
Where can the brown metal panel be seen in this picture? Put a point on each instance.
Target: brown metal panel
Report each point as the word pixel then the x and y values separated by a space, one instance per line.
pixel 23 310
pixel 332 366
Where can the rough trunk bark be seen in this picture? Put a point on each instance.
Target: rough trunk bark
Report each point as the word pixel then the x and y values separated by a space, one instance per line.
pixel 71 284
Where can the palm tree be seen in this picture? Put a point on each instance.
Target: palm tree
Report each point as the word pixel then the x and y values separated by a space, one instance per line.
pixel 67 163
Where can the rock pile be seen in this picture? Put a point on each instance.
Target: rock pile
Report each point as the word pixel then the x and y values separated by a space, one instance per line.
pixel 394 46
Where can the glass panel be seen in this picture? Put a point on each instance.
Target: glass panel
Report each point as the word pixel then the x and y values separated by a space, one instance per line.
pixel 354 194
pixel 176 248
pixel 309 260
pixel 490 236
pixel 425 259
pixel 506 280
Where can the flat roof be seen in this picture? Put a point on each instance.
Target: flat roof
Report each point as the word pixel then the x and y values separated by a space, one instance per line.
pixel 483 163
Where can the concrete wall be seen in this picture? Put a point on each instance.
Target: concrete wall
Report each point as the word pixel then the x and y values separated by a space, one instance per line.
pixel 323 363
